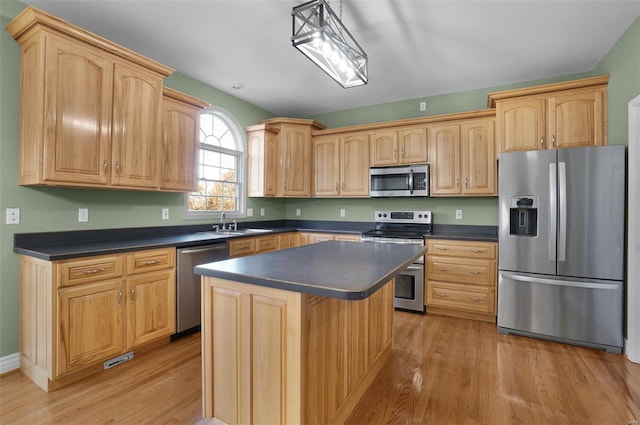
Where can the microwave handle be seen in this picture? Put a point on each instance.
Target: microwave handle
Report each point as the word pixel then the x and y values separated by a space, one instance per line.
pixel 411 181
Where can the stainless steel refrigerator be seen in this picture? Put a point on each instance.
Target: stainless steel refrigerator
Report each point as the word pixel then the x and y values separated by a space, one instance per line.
pixel 561 250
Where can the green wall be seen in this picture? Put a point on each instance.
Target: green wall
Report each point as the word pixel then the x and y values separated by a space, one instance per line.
pixel 53 209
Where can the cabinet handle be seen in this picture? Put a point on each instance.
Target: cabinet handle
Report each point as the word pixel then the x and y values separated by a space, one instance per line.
pixel 553 140
pixel 402 152
pixel 457 181
pixel 150 262
pixel 442 249
pixel 441 269
pixel 93 271
pixel 343 185
pixel 476 273
pixel 541 141
pixel 441 295
pixel 133 295
pixel 104 167
pixel 285 185
pixel 118 168
pixel 119 297
pixel 477 251
pixel 474 299
pixel 466 182
pixel 394 153
pixel 337 186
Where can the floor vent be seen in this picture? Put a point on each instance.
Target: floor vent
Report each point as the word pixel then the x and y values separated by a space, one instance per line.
pixel 117 360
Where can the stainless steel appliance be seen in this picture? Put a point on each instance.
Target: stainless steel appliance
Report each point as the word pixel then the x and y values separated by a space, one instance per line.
pixel 402 181
pixel 404 227
pixel 188 284
pixel 561 234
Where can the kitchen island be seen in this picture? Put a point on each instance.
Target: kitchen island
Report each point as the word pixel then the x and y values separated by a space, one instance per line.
pixel 297 336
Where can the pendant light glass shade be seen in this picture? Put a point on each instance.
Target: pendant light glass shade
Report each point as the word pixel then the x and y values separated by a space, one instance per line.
pixel 321 36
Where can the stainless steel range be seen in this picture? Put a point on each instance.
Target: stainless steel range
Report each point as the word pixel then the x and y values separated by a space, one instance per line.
pixel 404 227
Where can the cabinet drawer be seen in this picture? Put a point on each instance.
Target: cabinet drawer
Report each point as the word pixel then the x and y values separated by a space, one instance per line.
pixel 476 299
pixel 152 260
pixel 462 249
pixel 242 247
pixel 93 269
pixel 463 270
pixel 266 243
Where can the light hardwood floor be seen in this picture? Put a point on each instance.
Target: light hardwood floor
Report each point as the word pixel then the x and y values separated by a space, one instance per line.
pixel 443 371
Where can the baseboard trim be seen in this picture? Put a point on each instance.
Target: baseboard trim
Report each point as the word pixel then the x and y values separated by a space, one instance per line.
pixel 9 363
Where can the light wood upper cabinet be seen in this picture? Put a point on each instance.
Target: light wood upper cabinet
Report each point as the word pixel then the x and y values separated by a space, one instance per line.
pixel 399 146
pixel 462 157
pixel 293 157
pixel 90 109
pixel 180 142
pixel 262 160
pixel 341 165
pixel 561 115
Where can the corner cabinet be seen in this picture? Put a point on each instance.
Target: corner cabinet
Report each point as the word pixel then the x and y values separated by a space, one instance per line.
pixel 293 157
pixel 461 279
pixel 463 158
pixel 90 109
pixel 180 141
pixel 77 313
pixel 561 115
pixel 341 165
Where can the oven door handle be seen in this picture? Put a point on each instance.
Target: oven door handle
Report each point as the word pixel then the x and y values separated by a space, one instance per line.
pixel 415 268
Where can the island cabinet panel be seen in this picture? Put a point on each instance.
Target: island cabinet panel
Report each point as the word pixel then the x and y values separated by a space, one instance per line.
pixel 77 313
pixel 461 279
pixel 281 357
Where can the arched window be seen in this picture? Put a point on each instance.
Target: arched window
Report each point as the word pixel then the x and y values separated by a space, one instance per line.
pixel 221 167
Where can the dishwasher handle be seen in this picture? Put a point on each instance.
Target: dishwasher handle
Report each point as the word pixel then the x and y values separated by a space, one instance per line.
pixel 191 251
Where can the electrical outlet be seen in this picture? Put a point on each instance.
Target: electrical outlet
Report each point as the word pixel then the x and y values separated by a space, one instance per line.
pixel 423 106
pixel 165 213
pixel 261 212
pixel 298 212
pixel 13 216
pixel 83 215
pixel 343 212
pixel 458 214
pixel 249 212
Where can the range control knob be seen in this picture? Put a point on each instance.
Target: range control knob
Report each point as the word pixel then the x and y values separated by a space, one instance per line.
pixel 384 215
pixel 419 215
pixel 379 215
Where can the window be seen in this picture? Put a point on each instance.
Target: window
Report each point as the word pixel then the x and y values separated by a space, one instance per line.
pixel 221 166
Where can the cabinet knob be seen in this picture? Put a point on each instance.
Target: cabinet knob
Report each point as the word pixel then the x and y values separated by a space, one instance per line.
pixel 541 141
pixel 343 185
pixel 402 152
pixel 553 140
pixel 394 153
pixel 476 273
pixel 337 186
pixel 442 269
pixel 457 181
pixel 104 167
pixel 466 182
pixel 474 299
pixel 117 168
pixel 133 295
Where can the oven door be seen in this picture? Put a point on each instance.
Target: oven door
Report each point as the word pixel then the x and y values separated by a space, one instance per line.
pixel 409 289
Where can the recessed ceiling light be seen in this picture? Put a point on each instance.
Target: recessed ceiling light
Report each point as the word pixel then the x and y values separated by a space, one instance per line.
pixel 237 86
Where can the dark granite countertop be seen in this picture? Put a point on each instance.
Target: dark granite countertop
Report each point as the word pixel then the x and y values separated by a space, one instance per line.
pixel 53 246
pixel 344 270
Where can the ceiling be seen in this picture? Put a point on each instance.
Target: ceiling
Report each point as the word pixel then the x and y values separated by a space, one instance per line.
pixel 416 48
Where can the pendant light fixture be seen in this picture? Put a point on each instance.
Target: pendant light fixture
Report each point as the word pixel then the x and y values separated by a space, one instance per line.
pixel 322 37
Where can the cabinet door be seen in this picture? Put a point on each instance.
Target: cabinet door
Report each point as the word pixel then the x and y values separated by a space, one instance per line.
pixel 262 162
pixel 90 325
pixel 576 118
pixel 384 148
pixel 478 158
pixel 354 165
pixel 181 124
pixel 444 153
pixel 78 84
pixel 136 127
pixel 520 124
pixel 413 145
pixel 294 176
pixel 150 301
pixel 326 160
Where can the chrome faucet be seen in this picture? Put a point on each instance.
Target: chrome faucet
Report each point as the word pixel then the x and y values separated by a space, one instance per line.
pixel 223 220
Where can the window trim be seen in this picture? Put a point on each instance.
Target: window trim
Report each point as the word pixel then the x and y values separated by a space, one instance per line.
pixel 241 137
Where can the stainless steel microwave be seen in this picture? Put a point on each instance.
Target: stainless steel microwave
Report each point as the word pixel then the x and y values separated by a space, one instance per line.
pixel 402 181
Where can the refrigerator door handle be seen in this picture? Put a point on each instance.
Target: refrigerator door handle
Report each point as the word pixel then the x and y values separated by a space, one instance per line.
pixel 585 285
pixel 553 200
pixel 562 211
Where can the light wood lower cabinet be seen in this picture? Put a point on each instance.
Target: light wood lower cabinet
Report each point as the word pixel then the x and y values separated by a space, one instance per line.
pixel 279 357
pixel 77 313
pixel 312 237
pixel 461 279
pixel 254 245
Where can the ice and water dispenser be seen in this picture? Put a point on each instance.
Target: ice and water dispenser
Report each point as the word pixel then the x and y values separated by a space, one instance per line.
pixel 523 215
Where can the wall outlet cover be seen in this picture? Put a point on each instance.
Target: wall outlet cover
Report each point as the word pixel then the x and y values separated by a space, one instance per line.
pixel 343 212
pixel 261 212
pixel 83 215
pixel 458 214
pixel 165 213
pixel 13 216
pixel 298 212
pixel 249 212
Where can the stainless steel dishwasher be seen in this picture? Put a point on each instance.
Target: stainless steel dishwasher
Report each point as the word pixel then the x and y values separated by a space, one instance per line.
pixel 188 284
